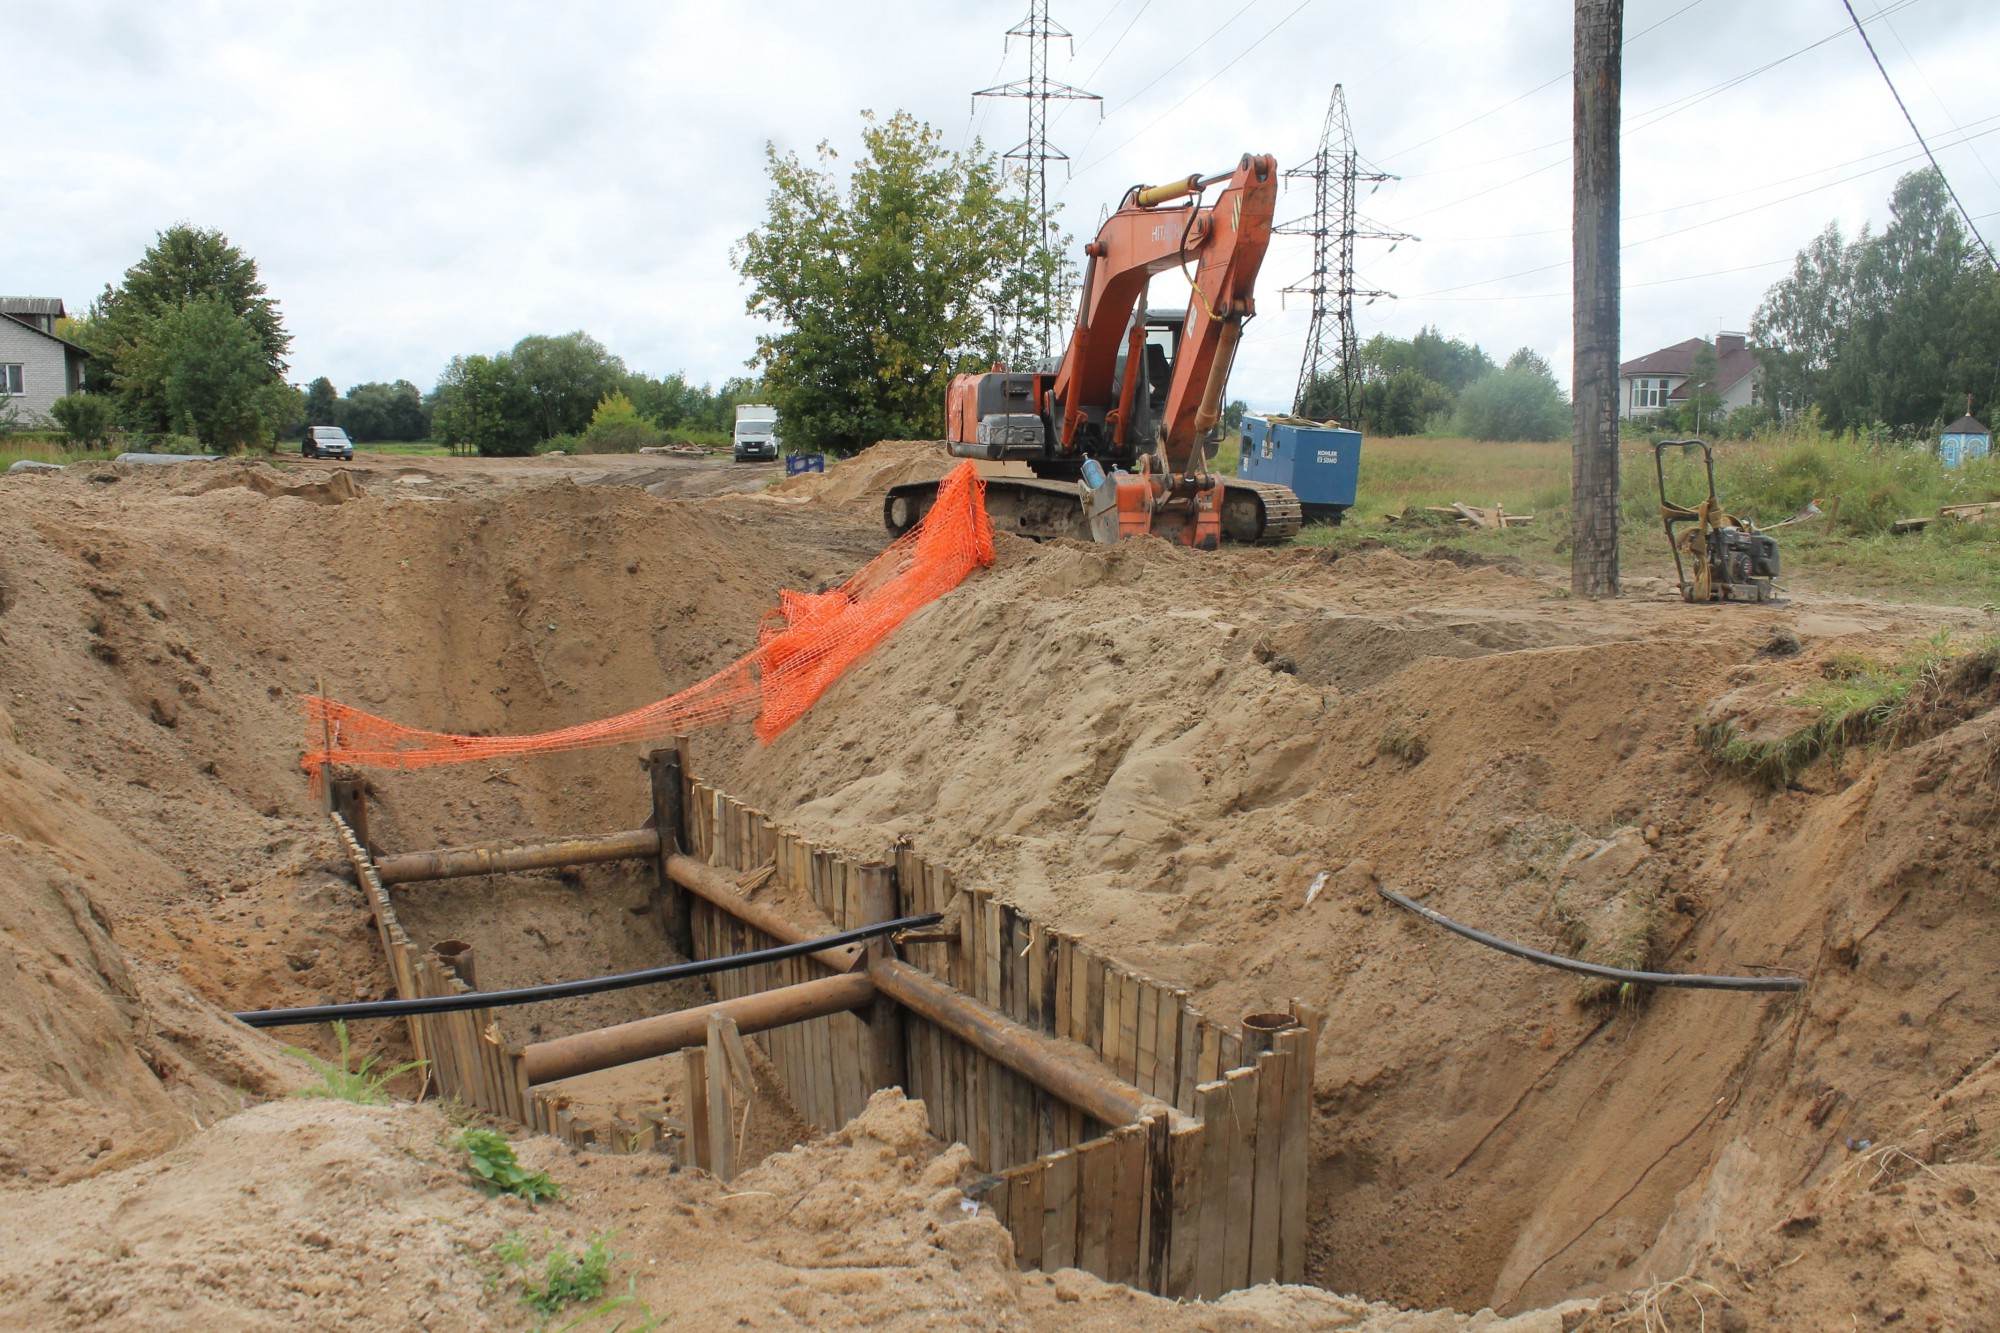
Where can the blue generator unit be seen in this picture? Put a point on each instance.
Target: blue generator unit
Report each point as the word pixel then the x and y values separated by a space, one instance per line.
pixel 1321 464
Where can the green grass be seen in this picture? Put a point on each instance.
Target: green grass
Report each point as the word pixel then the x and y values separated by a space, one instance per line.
pixel 361 1085
pixel 1767 479
pixel 13 448
pixel 424 448
pixel 1862 700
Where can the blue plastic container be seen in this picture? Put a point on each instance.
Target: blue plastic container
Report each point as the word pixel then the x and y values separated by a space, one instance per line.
pixel 797 463
pixel 1321 464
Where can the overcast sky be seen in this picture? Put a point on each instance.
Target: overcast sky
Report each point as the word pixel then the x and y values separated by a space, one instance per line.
pixel 422 179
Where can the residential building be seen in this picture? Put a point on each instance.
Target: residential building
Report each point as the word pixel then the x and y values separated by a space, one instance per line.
pixel 1659 379
pixel 36 366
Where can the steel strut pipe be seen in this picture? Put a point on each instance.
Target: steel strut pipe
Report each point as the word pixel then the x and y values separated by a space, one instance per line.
pixel 663 1034
pixel 705 881
pixel 413 867
pixel 1080 1081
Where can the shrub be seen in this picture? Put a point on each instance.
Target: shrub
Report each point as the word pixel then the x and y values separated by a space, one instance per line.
pixel 86 418
pixel 1518 403
pixel 617 428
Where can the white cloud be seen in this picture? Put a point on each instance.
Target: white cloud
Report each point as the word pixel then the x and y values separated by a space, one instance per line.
pixel 417 180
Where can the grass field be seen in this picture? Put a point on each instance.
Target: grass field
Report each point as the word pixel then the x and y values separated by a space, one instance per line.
pixel 1768 480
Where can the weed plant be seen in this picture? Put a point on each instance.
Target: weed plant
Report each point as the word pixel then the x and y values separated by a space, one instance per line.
pixel 361 1085
pixel 491 1160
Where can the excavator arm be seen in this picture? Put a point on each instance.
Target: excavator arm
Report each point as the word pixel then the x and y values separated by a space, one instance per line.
pixel 1220 246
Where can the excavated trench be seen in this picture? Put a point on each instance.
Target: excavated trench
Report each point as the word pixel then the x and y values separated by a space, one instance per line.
pixel 1160 751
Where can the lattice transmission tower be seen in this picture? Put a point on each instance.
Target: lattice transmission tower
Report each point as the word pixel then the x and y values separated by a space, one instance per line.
pixel 1332 356
pixel 1035 151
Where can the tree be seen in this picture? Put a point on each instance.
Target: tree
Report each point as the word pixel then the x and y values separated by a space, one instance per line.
pixel 1893 328
pixel 193 285
pixel 1522 402
pixel 322 403
pixel 384 412
pixel 481 404
pixel 921 268
pixel 199 369
pixel 564 378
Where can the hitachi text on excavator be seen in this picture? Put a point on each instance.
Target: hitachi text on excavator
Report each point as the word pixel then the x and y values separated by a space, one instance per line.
pixel 1118 437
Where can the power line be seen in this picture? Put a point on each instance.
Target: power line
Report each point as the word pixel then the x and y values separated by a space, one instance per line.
pixel 1866 41
pixel 1668 108
pixel 1268 34
pixel 1628 286
pixel 1936 97
pixel 1754 189
pixel 1641 121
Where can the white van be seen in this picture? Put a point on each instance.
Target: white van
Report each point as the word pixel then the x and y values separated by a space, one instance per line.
pixel 756 433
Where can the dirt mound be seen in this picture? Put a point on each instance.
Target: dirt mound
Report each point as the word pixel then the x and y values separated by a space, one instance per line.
pixel 325 488
pixel 327 1215
pixel 1159 749
pixel 1150 747
pixel 858 482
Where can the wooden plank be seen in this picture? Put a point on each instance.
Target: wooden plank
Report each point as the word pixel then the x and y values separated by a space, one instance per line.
pixel 1218 1152
pixel 1095 1172
pixel 1062 960
pixel 722 1098
pixel 1059 1212
pixel 1231 1055
pixel 1292 1164
pixel 1145 1052
pixel 1184 1239
pixel 1189 1060
pixel 1156 1234
pixel 1132 995
pixel 694 1063
pixel 1093 1002
pixel 1238 1219
pixel 990 951
pixel 1127 1205
pixel 1268 1183
pixel 1042 981
pixel 1024 1207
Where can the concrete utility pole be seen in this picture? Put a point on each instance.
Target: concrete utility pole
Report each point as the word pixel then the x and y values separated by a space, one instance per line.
pixel 1593 486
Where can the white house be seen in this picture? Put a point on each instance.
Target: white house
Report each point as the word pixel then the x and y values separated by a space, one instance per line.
pixel 36 367
pixel 1659 379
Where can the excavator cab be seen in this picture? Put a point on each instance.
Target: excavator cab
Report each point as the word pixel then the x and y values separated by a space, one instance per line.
pixel 1161 345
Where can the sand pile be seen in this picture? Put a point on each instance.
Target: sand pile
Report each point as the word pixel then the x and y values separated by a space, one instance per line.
pixel 858 483
pixel 1160 749
pixel 321 1215
pixel 1163 751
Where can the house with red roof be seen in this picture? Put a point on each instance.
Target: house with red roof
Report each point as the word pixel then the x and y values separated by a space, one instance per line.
pixel 1659 379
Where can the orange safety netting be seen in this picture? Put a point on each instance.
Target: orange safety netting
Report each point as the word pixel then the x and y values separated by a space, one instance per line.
pixel 802 648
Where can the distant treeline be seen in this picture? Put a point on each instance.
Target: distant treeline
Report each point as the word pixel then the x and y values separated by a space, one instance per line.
pixel 1431 384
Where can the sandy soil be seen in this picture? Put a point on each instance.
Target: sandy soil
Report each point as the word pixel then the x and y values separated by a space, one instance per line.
pixel 1160 749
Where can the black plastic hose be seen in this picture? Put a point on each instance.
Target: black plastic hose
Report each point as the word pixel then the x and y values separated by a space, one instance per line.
pixel 562 990
pixel 1689 980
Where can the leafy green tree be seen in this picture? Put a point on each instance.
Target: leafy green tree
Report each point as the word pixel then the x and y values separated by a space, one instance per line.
pixel 482 404
pixel 1446 361
pixel 564 378
pixel 322 403
pixel 1521 402
pixel 617 428
pixel 384 412
pixel 922 267
pixel 1401 402
pixel 199 369
pixel 193 284
pixel 1894 328
pixel 86 418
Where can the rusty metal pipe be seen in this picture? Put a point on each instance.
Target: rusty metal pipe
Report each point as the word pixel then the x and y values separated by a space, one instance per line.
pixel 662 1034
pixel 411 867
pixel 1079 1080
pixel 706 882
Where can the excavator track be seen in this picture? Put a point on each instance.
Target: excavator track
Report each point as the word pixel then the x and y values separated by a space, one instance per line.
pixel 1253 512
pixel 1260 513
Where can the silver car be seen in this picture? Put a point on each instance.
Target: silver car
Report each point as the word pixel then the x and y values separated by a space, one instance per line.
pixel 327 442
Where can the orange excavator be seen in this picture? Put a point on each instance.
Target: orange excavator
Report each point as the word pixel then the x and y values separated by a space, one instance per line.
pixel 1118 437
